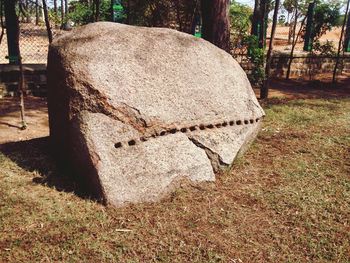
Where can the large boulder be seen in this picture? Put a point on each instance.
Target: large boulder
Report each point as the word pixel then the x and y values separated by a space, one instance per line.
pixel 138 110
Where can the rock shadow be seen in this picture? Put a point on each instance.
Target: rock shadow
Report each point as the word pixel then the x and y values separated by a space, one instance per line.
pixel 34 155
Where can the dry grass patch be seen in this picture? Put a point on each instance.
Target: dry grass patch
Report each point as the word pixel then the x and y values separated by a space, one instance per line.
pixel 287 200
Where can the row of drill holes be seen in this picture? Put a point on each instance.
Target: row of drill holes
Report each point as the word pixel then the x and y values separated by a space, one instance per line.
pixel 192 128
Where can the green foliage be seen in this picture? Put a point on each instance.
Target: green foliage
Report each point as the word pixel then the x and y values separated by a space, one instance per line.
pixel 289 5
pixel 53 17
pixel 240 22
pixel 240 17
pixel 326 17
pixel 80 12
pixel 256 56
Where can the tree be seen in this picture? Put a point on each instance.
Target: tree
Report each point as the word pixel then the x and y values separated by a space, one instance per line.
pixel 2 21
pixel 216 23
pixel 295 41
pixel 55 7
pixel 340 42
pixel 37 7
pixel 47 22
pixel 97 10
pixel 240 16
pixel 255 19
pixel 62 13
pixel 265 87
pixel 12 28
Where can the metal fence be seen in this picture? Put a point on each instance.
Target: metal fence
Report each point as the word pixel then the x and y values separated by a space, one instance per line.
pixel 33 44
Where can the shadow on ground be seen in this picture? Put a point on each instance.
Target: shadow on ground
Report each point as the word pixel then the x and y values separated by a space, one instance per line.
pixel 302 89
pixel 34 155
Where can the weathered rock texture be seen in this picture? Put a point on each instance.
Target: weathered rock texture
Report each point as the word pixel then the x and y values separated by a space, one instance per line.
pixel 137 110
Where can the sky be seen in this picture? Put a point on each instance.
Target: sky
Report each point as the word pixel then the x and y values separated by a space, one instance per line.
pixel 247 2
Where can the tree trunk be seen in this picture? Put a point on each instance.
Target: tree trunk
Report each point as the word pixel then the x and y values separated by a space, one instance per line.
pixel 308 39
pixel 290 29
pixel 12 30
pixel 262 22
pixel 2 21
pixel 216 23
pixel 264 92
pixel 295 21
pixel 293 48
pixel 55 7
pixel 347 37
pixel 66 8
pixel 97 10
pixel 21 89
pixel 37 12
pixel 47 22
pixel 340 43
pixel 256 19
pixel 62 12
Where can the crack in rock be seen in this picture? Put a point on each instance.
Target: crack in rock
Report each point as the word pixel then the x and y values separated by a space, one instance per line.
pixel 215 159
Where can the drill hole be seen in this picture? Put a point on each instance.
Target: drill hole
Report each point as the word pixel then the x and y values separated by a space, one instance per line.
pixel 132 143
pixel 174 130
pixel 118 145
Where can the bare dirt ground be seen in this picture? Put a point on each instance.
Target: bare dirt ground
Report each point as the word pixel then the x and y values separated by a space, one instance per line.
pixel 36 117
pixel 281 38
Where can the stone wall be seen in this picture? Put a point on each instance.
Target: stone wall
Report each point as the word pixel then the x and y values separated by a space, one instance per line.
pixel 35 79
pixel 303 64
pixel 306 64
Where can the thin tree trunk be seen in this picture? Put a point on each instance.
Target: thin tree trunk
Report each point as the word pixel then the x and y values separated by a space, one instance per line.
pixel 21 89
pixel 262 36
pixel 55 7
pixel 340 43
pixel 21 84
pixel 66 8
pixel 128 12
pixel 37 12
pixel 290 33
pixel 62 13
pixel 2 21
pixel 256 19
pixel 293 48
pixel 295 21
pixel 264 92
pixel 47 22
pixel 178 16
pixel 97 10
pixel 216 23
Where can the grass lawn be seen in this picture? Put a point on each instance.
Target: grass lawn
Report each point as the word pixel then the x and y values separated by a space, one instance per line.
pixel 286 200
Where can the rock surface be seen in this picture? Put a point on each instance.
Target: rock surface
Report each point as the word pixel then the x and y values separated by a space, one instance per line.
pixel 137 110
